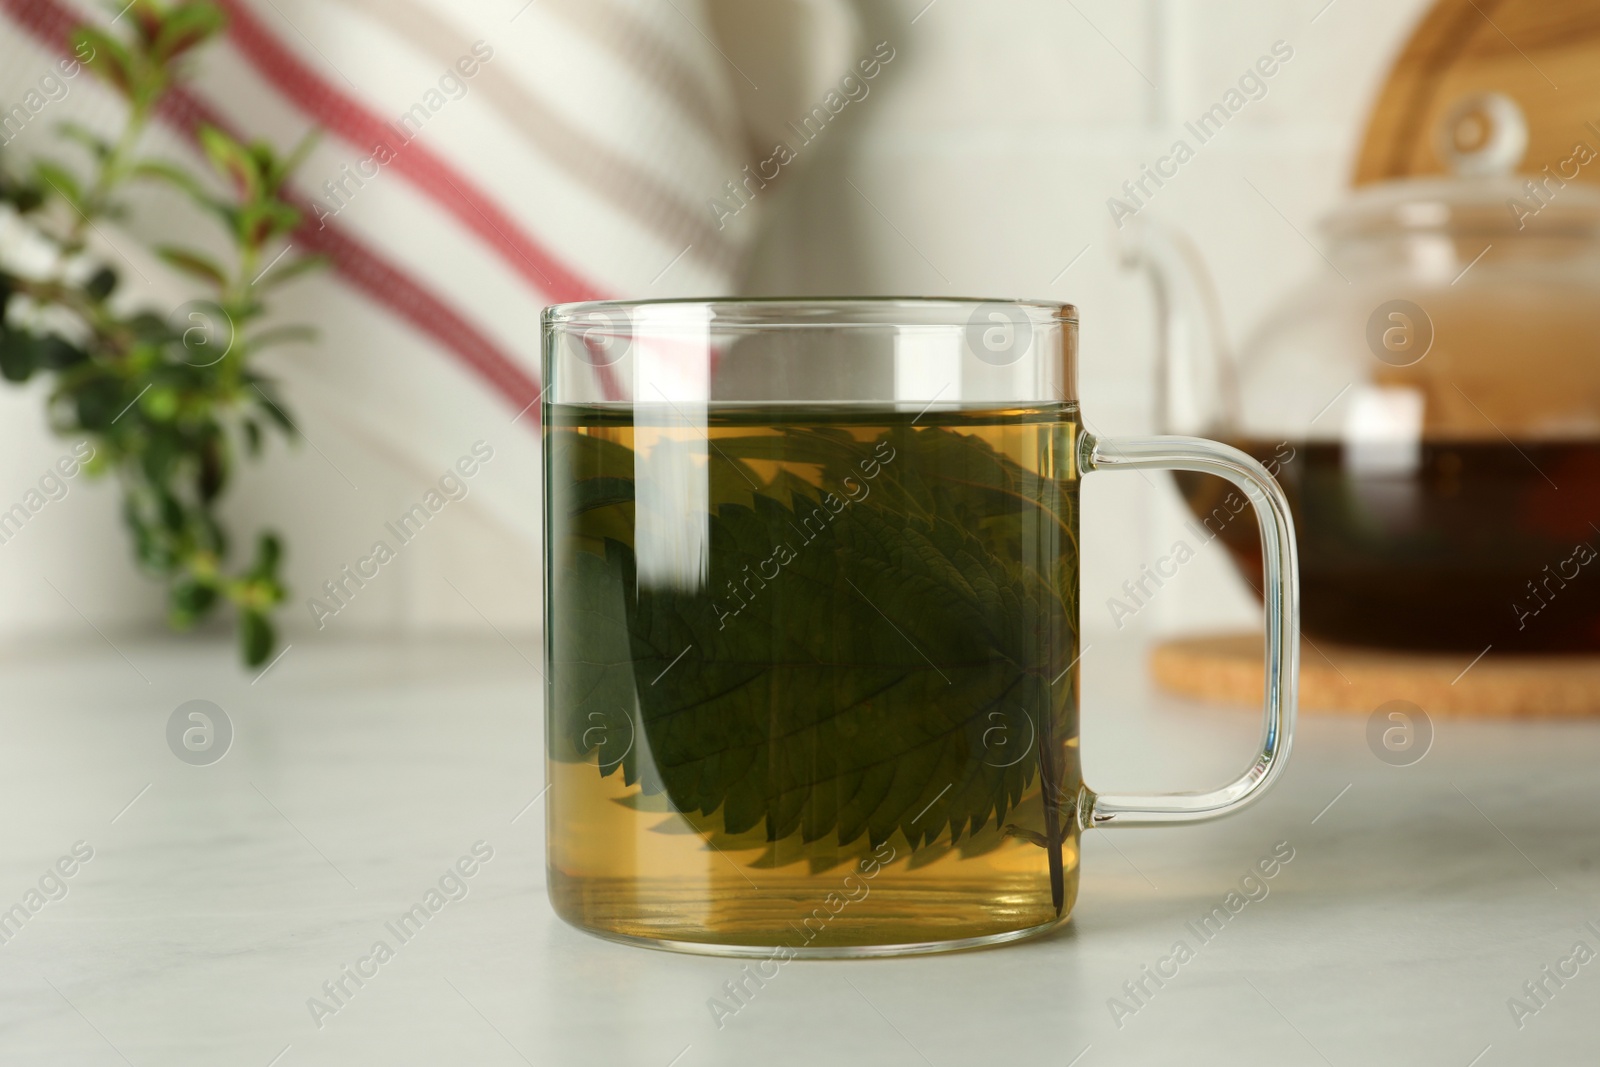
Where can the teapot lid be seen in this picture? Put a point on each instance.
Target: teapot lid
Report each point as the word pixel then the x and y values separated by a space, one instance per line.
pixel 1481 139
pixel 1544 205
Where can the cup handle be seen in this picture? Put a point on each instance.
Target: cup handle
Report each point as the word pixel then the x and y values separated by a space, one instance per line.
pixel 1282 616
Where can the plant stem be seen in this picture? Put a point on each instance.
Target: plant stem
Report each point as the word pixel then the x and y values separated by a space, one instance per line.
pixel 111 172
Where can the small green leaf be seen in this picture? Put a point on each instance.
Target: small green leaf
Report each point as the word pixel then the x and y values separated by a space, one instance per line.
pixel 58 354
pixel 160 403
pixel 26 197
pixel 213 537
pixel 185 27
pixel 98 146
pixel 150 328
pixel 269 405
pixel 98 402
pixel 252 437
pixel 269 553
pixel 102 284
pixel 172 514
pixel 159 170
pixel 291 270
pixel 212 477
pixel 195 264
pixel 147 18
pixel 19 355
pixel 286 166
pixel 61 180
pixel 256 637
pixel 149 546
pixel 105 55
pixel 190 601
pixel 159 461
pixel 233 161
pixel 259 223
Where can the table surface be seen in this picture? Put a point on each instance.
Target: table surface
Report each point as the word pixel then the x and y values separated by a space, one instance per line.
pixel 218 899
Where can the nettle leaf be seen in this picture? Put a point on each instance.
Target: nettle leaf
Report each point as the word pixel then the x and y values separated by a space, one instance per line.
pixel 597 698
pixel 842 672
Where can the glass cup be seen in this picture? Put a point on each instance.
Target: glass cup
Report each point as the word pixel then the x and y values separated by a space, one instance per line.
pixel 811 623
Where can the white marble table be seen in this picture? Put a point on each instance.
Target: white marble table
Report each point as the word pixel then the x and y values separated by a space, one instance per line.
pixel 220 898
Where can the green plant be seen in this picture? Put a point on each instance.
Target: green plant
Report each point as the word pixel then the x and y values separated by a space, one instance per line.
pixel 167 400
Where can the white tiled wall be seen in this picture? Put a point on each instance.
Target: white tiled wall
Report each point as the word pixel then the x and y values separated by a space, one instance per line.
pixel 991 146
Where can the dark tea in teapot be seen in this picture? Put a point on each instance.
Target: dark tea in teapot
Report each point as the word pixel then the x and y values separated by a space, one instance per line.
pixel 1481 543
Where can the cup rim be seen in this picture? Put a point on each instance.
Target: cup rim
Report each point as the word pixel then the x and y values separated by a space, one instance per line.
pixel 883 312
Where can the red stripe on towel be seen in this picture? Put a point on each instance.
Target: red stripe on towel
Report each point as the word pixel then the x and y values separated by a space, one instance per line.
pixel 348 118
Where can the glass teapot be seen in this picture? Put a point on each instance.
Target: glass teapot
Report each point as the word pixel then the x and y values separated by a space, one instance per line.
pixel 1430 401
